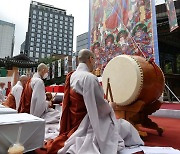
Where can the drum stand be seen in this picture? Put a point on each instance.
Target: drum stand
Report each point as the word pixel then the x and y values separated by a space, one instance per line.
pixel 137 113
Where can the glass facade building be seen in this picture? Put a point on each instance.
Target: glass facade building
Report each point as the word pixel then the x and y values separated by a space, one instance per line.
pixel 7 31
pixel 50 31
pixel 82 42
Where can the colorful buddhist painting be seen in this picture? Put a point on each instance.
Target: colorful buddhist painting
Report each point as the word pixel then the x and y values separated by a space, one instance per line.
pixel 171 11
pixel 122 27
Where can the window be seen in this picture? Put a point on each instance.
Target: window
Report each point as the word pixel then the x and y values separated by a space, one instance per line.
pixel 49 37
pixel 60 30
pixel 54 47
pixel 49 50
pixel 55 29
pixel 56 16
pixel 70 41
pixel 59 47
pixel 59 52
pixel 50 33
pixel 71 19
pixel 69 53
pixel 31 54
pixel 70 28
pixel 34 16
pixel 55 25
pixel 37 54
pixel 48 55
pixel 40 13
pixel 44 41
pixel 60 26
pixel 70 44
pixel 50 24
pixel 37 49
pixel 39 26
pixel 43 50
pixel 32 39
pixel 56 21
pixel 32 43
pixel 43 45
pixel 65 31
pixel 34 11
pixel 51 15
pixel 49 46
pixel 54 42
pixel 38 40
pixel 32 34
pixel 44 32
pixel 45 19
pixel 54 51
pixel 44 36
pixel 40 17
pixel 31 48
pixel 45 14
pixel 50 28
pixel 70 24
pixel 50 20
pixel 55 38
pixel 38 35
pixel 55 34
pixel 44 27
pixel 65 48
pixel 70 32
pixel 66 18
pixel 49 42
pixel 65 40
pixel 60 39
pixel 39 31
pixel 65 44
pixel 39 22
pixel 33 25
pixel 38 44
pixel 33 21
pixel 65 35
pixel 61 17
pixel 66 23
pixel 60 43
pixel 61 22
pixel 42 55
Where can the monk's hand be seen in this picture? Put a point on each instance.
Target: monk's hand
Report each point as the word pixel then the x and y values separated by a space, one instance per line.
pixel 50 104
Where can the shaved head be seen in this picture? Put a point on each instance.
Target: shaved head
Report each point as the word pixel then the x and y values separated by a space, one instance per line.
pixel 42 66
pixel 23 79
pixel 84 55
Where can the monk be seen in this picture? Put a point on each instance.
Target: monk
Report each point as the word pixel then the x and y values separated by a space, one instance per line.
pixel 33 100
pixel 14 96
pixel 2 96
pixel 88 123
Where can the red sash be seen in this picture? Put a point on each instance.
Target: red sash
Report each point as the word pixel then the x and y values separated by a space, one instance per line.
pixel 10 102
pixel 73 112
pixel 25 102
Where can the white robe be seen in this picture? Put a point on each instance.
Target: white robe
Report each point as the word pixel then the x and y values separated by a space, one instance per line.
pixel 39 105
pixel 2 97
pixel 99 132
pixel 16 91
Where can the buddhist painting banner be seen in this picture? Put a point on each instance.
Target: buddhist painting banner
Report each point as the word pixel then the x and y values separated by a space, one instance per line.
pixel 122 27
pixel 171 12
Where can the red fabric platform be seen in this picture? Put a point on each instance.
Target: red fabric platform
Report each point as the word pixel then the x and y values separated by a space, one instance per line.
pixel 171 106
pixel 170 136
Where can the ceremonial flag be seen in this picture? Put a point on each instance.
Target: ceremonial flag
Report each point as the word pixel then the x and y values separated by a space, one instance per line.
pixel 171 11
pixel 73 61
pixel 53 70
pixel 122 27
pixel 48 78
pixel 66 65
pixel 59 68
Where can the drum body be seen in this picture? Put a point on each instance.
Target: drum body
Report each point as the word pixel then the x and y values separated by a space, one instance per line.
pixel 133 78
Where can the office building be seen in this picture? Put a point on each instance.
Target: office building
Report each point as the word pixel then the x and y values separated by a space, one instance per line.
pixel 6 39
pixel 50 32
pixel 82 42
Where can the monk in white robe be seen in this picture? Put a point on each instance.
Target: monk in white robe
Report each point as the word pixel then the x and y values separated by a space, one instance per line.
pixel 33 99
pixel 96 131
pixel 14 96
pixel 2 97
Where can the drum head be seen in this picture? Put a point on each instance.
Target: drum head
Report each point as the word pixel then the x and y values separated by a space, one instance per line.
pixel 125 78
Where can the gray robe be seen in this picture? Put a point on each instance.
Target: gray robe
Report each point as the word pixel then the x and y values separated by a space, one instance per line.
pixel 99 132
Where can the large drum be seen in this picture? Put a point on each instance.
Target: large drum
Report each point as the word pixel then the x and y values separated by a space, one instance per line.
pixel 133 78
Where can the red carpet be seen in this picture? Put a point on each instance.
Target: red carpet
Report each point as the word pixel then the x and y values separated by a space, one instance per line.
pixel 170 136
pixel 172 106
